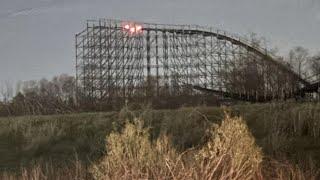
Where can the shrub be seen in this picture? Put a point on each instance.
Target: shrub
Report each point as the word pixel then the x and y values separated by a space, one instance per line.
pixel 231 153
pixel 131 154
pixel 143 145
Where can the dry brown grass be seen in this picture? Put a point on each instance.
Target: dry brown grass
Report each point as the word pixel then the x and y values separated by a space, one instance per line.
pixel 272 169
pixel 131 155
pixel 48 172
pixel 229 151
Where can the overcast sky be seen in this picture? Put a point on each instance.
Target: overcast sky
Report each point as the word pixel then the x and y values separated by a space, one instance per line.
pixel 37 36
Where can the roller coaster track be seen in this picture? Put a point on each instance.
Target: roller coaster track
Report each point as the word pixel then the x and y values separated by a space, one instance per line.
pixel 238 41
pixel 122 59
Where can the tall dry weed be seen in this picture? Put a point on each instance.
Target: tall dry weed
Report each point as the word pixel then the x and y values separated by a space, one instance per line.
pixel 231 153
pixel 272 169
pixel 131 155
pixel 47 172
pixel 228 152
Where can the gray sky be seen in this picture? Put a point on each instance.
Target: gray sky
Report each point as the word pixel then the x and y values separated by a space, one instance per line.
pixel 37 36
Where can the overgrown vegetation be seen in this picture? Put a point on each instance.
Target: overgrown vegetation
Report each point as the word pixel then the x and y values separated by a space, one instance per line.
pixel 178 144
pixel 131 155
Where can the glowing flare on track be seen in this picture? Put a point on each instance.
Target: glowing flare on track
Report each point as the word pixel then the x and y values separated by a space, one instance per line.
pixel 132 28
pixel 127 26
pixel 138 28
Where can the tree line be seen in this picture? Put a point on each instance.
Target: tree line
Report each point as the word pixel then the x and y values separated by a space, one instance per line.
pixel 39 97
pixel 58 95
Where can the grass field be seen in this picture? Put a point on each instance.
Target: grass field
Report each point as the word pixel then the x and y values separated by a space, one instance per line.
pixel 284 131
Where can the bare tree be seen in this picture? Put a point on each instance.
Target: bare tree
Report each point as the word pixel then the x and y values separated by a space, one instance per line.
pixel 298 60
pixel 256 41
pixel 315 66
pixel 6 91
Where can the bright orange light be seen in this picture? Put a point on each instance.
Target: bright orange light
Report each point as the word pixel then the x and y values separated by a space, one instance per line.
pixel 132 29
pixel 127 26
pixel 138 28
